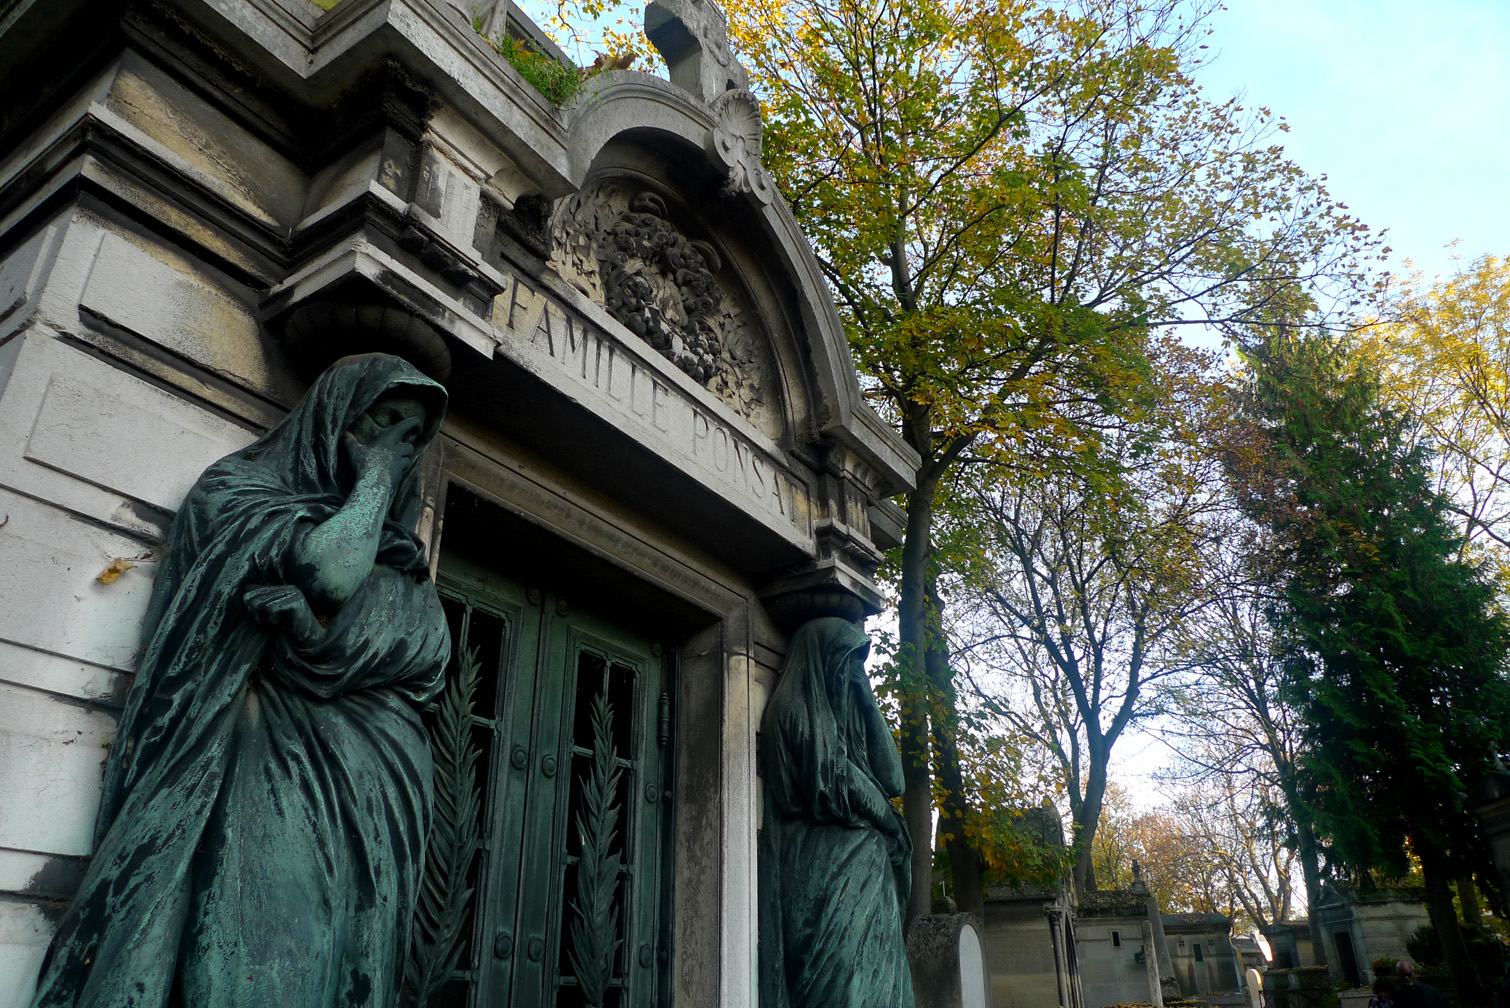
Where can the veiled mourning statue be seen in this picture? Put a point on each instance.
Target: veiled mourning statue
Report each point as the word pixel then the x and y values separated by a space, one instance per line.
pixel 267 798
pixel 834 856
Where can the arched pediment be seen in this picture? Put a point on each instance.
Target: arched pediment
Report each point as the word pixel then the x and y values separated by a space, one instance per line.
pixel 641 136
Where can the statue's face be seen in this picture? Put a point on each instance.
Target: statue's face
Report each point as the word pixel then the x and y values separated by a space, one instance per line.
pixel 859 677
pixel 393 409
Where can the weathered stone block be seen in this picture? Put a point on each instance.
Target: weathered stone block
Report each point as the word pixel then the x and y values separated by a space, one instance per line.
pixel 25 930
pixel 52 756
pixel 98 441
pixel 948 962
pixel 48 567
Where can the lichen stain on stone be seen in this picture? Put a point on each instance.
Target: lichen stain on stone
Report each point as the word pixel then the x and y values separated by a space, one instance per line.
pixel 189 226
pixel 170 125
pixel 200 318
pixel 153 522
pixel 54 884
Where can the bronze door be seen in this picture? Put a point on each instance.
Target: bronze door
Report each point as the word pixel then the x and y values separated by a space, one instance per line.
pixel 569 732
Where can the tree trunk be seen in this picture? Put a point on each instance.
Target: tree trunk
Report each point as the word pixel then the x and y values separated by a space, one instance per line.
pixel 1309 854
pixel 1310 869
pixel 1088 817
pixel 1444 919
pixel 1468 898
pixel 912 617
pixel 964 858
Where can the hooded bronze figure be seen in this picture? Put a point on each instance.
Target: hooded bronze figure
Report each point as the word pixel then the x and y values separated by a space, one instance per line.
pixel 266 801
pixel 834 858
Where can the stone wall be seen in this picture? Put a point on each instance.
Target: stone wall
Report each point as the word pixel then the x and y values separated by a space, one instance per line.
pixel 1027 951
pixel 1201 954
pixel 1113 954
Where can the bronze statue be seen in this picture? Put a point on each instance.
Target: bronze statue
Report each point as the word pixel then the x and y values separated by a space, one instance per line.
pixel 834 857
pixel 266 801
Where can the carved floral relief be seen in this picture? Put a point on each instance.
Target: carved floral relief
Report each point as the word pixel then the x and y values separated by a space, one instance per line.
pixel 621 249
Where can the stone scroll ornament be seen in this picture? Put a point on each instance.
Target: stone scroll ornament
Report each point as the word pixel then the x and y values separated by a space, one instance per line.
pixel 266 801
pixel 834 854
pixel 693 38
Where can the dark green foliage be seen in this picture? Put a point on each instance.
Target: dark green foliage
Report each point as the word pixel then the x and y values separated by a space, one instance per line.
pixel 1489 954
pixel 1392 648
pixel 444 895
pixel 1423 946
pixel 1488 950
pixel 595 920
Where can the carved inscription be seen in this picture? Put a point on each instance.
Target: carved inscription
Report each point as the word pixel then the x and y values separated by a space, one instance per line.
pixel 682 429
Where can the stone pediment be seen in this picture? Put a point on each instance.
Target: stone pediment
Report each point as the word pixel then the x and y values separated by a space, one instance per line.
pixel 670 192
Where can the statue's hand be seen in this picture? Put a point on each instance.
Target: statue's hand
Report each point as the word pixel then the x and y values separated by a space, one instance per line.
pixel 388 451
pixel 283 609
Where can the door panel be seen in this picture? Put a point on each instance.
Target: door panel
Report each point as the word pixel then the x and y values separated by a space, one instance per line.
pixel 571 728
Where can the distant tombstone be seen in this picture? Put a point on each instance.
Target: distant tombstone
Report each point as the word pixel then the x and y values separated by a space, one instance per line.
pixel 1302 987
pixel 1151 958
pixel 1254 987
pixel 974 979
pixel 948 962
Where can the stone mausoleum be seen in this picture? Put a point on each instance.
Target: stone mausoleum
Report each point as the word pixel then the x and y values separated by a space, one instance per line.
pixel 656 463
pixel 1357 926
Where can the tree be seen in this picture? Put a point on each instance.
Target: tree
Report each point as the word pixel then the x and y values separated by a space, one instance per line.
pixel 1443 357
pixel 1169 859
pixel 1215 851
pixel 1084 577
pixel 1005 199
pixel 1114 850
pixel 1391 649
pixel 1243 855
pixel 1235 732
pixel 1012 822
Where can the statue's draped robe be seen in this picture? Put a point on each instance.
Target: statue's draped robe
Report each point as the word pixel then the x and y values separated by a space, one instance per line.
pixel 832 885
pixel 266 803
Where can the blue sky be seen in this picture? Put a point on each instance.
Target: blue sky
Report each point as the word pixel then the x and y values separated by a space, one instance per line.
pixel 1403 104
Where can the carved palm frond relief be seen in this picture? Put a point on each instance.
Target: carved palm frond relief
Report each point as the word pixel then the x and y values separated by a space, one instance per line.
pixel 444 897
pixel 595 917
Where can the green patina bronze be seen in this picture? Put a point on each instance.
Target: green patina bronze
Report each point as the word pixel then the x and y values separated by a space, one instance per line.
pixel 834 873
pixel 266 803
